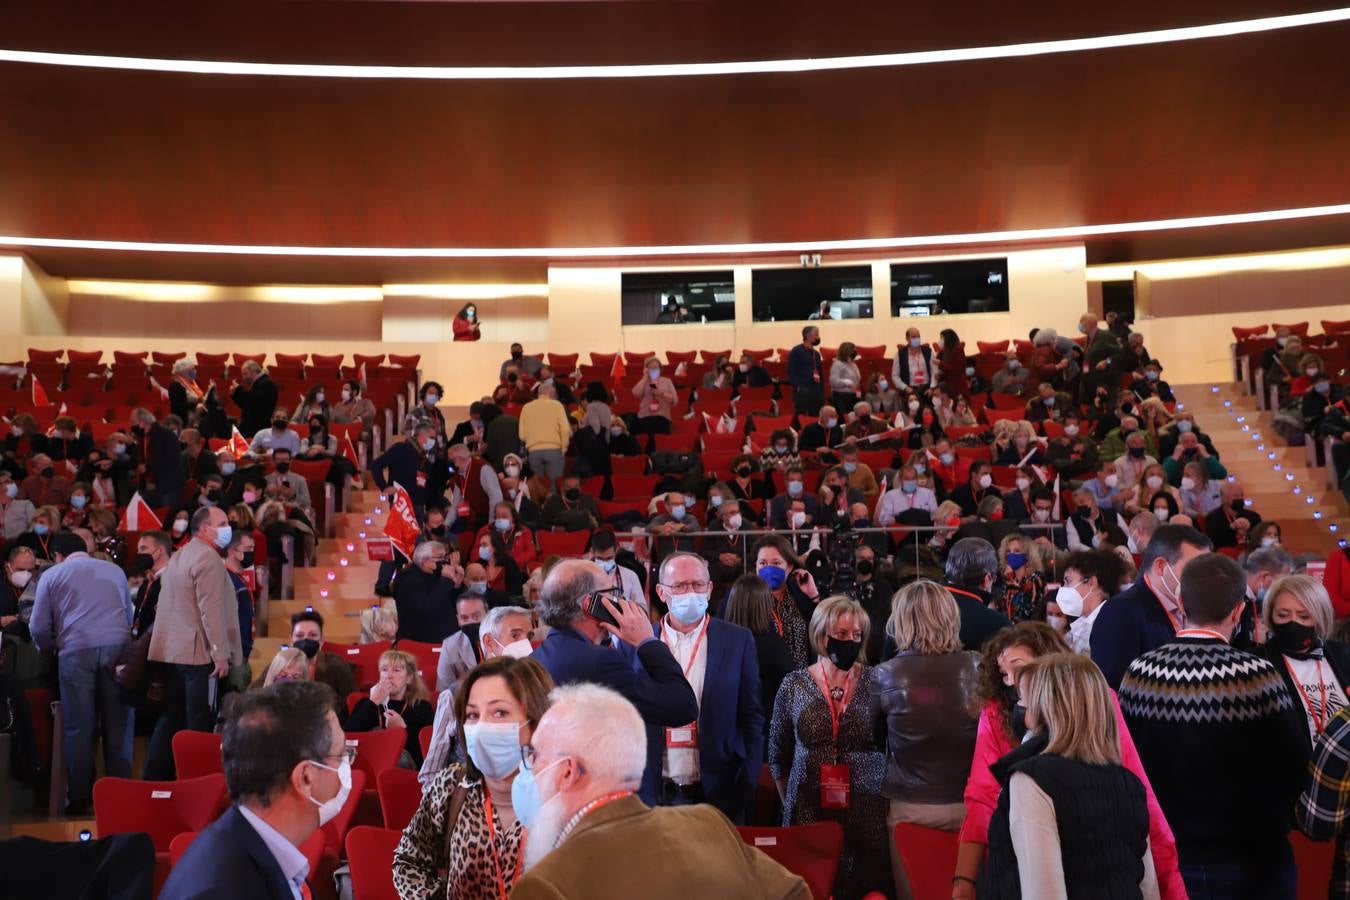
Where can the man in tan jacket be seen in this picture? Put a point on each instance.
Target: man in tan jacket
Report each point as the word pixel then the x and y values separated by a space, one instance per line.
pixel 590 836
pixel 196 634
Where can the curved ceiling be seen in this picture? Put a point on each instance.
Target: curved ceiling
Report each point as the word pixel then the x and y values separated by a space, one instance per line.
pixel 1220 126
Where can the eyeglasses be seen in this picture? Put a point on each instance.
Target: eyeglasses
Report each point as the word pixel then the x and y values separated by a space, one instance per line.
pixel 527 756
pixel 685 587
pixel 348 754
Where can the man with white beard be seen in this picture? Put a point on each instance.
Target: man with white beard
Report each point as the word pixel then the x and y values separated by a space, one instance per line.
pixel 588 835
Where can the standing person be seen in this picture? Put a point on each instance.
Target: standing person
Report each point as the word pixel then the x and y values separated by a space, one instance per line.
pixel 656 397
pixel 845 378
pixel 715 758
pixel 289 773
pixel 196 634
pixel 1316 670
pixel 238 560
pixel 971 572
pixel 1090 576
pixel 465 839
pixel 153 549
pixel 162 459
pixel 256 396
pixel 545 431
pixel 926 694
pixel 750 605
pixel 466 325
pixel 806 374
pixel 1072 821
pixel 325 668
pixel 824 750
pixel 794 591
pixel 82 612
pixel 913 366
pixel 1203 713
pixel 953 371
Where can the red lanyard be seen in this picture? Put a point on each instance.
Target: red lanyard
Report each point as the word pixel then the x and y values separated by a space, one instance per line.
pixel 702 632
pixel 1319 721
pixel 496 852
pixel 836 712
pixel 44 541
pixel 777 619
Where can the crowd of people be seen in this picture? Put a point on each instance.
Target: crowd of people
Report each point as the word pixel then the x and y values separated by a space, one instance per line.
pixel 1064 637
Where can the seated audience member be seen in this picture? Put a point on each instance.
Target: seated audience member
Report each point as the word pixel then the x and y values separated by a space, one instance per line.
pixel 794 490
pixel 1149 383
pixel 951 469
pixel 669 525
pixel 1152 483
pixel 721 375
pixel 1003 728
pixel 979 484
pixel 604 552
pixel 1189 450
pixel 1068 786
pixel 1130 468
pixel 823 717
pixel 478 596
pixel 398 700
pixel 1200 495
pixel 503 577
pixel 352 406
pixel 745 484
pixel 1183 422
pixel 527 365
pixel 1012 378
pixel 289 664
pixel 277 435
pixel 1047 405
pixel 860 475
pixel 314 403
pixel 1017 503
pixel 726 552
pixel 198 460
pixel 68 444
pixel 424 595
pixel 592 737
pixel 560 386
pixel 16 514
pixel 881 395
pixel 863 424
pixel 1266 533
pixel 1229 525
pixel 906 495
pixel 287 770
pixel 1018 447
pixel 927 694
pixel 570 509
pixel 836 498
pixel 319 443
pixel 469 803
pixel 1149 613
pixel 322 666
pixel 971 571
pixel 519 540
pixel 640 667
pixel 45 487
pixel 781 452
pixel 46 525
pixel 1023 582
pixel 822 434
pixel 1091 577
pixel 1105 489
pixel 1298 621
pixel 1230 843
pixel 78 513
pixel 1113 441
pixel 749 373
pixel 1324 395
pixel 288 487
pixel 656 397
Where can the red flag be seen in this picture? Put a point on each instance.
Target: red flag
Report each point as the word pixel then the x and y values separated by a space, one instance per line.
pixel 238 444
pixel 39 395
pixel 616 370
pixel 138 516
pixel 401 527
pixel 349 451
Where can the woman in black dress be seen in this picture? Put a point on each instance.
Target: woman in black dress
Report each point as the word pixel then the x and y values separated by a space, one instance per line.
pixel 750 605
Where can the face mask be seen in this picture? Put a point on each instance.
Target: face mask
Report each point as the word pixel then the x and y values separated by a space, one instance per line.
pixel 41 528
pixel 1188 483
pixel 12 490
pixel 653 374
pixel 1137 452
pixel 278 424
pixel 1293 638
pixel 798 519
pixel 1310 371
pixel 20 578
pixel 179 526
pixel 688 608
pixel 794 488
pixel 475 587
pixel 883 385
pixel 48 472
pixel 774 576
pixel 1096 541
pixel 913 406
pixel 494 747
pixel 250 497
pixel 1070 601
pixel 1023 484
pixel 830 423
pixel 744 471
pixel 1184 426
pixel 1322 387
pixel 865 566
pixel 1151 376
pixel 78 501
pixel 283 467
pixel 916 343
pixel 223 535
pixel 525 793
pixel 1269 541
pixel 1281 341
pixel 1162 513
pixel 947 458
pixel 1013 365
pixel 985 481
pixel 842 653
pixel 781 448
pixel 1071 430
pixel 329 809
pixel 518 650
pixel 1041 515
pixel 144 562
pixel 970 371
pixel 1154 482
pixel 428 445
pixel 502 525
pixel 1059 623
pixel 733 521
pixel 1082 329
pixel 920 469
pixel 513 471
pixel 572 494
pixel 227 468
pixel 1237 506
pixel 909 487
pixel 744 367
pixel 1112 480
pixel 470 313
pixel 346 396
pixel 431 399
pixel 1016 560
pixel 606 564
pixel 485 553
pixel 677 512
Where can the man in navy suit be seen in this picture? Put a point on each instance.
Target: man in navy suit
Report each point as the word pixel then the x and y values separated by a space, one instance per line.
pixel 289 772
pixel 716 758
pixel 640 668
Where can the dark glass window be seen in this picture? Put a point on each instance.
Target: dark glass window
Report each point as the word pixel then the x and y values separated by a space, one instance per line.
pixel 953 286
pixel 669 298
pixel 793 295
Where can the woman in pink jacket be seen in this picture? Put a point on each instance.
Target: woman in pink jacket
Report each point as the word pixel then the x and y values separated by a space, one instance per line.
pixel 1002 728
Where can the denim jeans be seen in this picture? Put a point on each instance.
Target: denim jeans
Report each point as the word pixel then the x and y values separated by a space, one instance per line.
pixel 187 706
pixel 1242 881
pixel 89 695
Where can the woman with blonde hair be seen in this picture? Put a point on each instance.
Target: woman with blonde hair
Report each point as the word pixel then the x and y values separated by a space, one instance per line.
pixel 1019 558
pixel 288 665
pixel 824 752
pixel 927 694
pixel 400 699
pixel 1071 821
pixel 1299 619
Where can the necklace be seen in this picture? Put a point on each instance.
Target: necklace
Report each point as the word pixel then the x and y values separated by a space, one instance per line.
pixel 836 694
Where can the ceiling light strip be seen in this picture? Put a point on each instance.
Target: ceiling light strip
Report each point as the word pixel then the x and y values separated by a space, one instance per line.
pixel 669 70
pixel 931 240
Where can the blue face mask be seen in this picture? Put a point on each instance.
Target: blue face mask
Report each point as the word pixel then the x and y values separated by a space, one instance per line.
pixel 503 524
pixel 850 467
pixel 689 608
pixel 773 576
pixel 1016 560
pixel 909 487
pixel 607 565
pixel 40 528
pixel 525 793
pixel 78 501
pixel 794 488
pixel 223 535
pixel 485 553
pixel 677 512
pixel 494 747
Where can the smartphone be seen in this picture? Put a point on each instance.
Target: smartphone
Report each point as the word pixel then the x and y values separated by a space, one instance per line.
pixel 594 608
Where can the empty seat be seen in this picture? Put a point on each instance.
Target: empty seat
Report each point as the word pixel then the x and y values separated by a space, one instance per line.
pixel 929 855
pixel 197 753
pixel 400 794
pixel 370 853
pixel 811 851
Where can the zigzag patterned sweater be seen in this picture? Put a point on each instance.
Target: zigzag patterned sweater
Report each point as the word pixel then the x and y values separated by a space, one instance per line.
pixel 1219 736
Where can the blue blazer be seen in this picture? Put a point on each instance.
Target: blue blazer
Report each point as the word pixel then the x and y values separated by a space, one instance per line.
pixel 730 719
pixel 1131 624
pixel 227 860
pixel 647 677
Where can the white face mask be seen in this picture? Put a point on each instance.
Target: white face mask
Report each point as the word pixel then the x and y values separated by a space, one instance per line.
pixel 329 809
pixel 20 578
pixel 733 521
pixel 1041 515
pixel 1162 514
pixel 985 481
pixel 1070 601
pixel 1154 482
pixel 180 526
pixel 1023 483
pixel 1071 430
pixel 518 649
pixel 1059 623
pixel 513 471
pixel 798 519
pixel 1188 484
pixel 1112 480
pixel 830 423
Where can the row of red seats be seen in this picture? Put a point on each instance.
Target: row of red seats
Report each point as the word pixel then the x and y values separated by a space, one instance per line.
pixel 86 357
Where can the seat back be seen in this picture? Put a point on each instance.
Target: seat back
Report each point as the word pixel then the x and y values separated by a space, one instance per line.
pixel 428 657
pixel 162 809
pixel 929 855
pixel 400 794
pixel 561 543
pixel 811 851
pixel 197 753
pixel 178 846
pixel 370 853
pixel 335 831
pixel 376 750
pixel 366 658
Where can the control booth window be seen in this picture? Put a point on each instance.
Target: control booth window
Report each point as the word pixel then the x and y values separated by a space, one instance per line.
pixel 671 298
pixel 794 295
pixel 949 287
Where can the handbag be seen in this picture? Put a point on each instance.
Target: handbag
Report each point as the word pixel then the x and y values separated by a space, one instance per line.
pixel 141 681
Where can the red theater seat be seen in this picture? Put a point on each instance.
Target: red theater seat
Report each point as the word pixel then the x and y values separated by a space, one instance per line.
pixel 929 855
pixel 400 794
pixel 811 851
pixel 197 753
pixel 1243 334
pixel 370 853
pixel 162 809
pixel 1298 328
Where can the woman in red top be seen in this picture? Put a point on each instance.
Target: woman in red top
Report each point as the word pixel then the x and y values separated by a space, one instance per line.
pixel 465 324
pixel 1336 579
pixel 519 540
pixel 952 361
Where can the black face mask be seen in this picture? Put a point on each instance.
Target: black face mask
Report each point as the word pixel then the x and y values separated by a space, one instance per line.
pixel 572 494
pixel 283 467
pixel 48 472
pixel 315 430
pixel 278 424
pixel 439 530
pixel 308 646
pixel 744 471
pixel 842 653
pixel 1238 506
pixel 864 566
pixel 1294 639
pixel 1137 452
pixel 517 355
pixel 138 431
pixel 512 377
pixel 144 562
pixel 247 561
pixel 213 495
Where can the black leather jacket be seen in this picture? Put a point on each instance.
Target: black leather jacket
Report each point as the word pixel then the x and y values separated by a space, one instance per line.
pixel 930 728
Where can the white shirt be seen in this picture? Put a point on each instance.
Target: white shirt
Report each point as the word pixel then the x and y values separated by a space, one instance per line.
pixel 896 501
pixel 288 856
pixel 1315 677
pixel 1080 632
pixel 681 763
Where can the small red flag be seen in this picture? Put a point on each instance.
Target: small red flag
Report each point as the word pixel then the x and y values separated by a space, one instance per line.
pixel 238 443
pixel 401 527
pixel 39 395
pixel 138 516
pixel 349 451
pixel 616 370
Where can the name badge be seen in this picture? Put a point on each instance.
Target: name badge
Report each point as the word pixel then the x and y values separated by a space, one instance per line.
pixel 834 786
pixel 421 479
pixel 683 737
pixel 653 406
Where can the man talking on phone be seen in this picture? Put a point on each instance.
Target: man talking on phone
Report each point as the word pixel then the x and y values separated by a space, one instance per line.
pixel 582 610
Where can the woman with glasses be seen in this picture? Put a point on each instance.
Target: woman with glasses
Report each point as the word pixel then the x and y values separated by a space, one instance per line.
pixel 465 840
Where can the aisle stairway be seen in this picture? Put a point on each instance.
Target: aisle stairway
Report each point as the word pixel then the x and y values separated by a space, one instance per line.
pixel 1263 462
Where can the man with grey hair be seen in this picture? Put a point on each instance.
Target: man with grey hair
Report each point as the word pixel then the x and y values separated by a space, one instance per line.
pixel 640 667
pixel 545 431
pixel 1140 531
pixel 584 763
pixel 972 570
pixel 1263 567
pixel 425 595
pixel 256 396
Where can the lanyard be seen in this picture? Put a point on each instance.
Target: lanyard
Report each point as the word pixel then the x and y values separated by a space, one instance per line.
pixel 496 852
pixel 1190 632
pixel 836 712
pixel 698 642
pixel 43 541
pixel 591 807
pixel 1319 721
pixel 777 619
